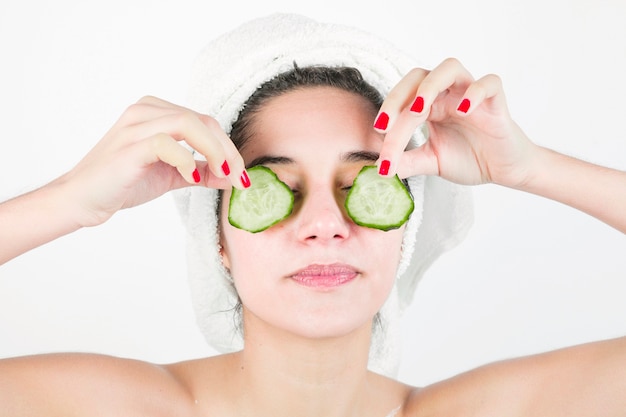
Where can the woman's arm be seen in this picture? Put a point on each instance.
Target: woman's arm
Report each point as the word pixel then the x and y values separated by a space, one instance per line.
pixel 35 218
pixel 67 385
pixel 580 381
pixel 593 189
pixel 473 140
pixel 138 160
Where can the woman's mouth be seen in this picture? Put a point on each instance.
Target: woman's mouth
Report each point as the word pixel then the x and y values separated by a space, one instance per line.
pixel 325 276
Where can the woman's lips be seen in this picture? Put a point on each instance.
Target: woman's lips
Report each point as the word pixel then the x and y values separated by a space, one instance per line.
pixel 325 276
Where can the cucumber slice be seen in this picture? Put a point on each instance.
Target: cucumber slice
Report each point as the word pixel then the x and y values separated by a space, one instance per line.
pixel 377 202
pixel 266 202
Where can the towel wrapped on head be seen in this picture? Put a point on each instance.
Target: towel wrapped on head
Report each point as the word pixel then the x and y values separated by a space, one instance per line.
pixel 225 75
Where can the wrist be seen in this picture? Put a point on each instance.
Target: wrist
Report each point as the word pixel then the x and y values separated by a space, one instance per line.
pixel 66 198
pixel 534 169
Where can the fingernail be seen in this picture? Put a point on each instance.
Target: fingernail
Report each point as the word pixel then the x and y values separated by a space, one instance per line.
pixel 225 168
pixel 382 121
pixel 464 106
pixel 245 181
pixel 418 105
pixel 384 167
pixel 196 175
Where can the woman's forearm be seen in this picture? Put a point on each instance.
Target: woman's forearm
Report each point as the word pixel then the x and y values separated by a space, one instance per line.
pixel 595 190
pixel 33 219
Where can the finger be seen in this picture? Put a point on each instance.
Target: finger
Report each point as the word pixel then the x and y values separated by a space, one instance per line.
pixel 147 108
pixel 168 150
pixel 162 147
pixel 204 135
pixel 157 102
pixel 164 104
pixel 138 113
pixel 398 98
pixel 207 179
pixel 486 88
pixel 207 137
pixel 395 143
pixel 447 76
pixel 418 161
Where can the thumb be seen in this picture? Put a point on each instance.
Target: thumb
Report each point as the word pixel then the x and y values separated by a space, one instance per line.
pixel 418 161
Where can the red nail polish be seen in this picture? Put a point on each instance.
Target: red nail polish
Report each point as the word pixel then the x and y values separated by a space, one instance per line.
pixel 382 121
pixel 245 181
pixel 418 105
pixel 225 168
pixel 464 106
pixel 196 175
pixel 384 167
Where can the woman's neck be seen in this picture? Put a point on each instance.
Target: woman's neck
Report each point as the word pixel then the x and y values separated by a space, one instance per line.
pixel 286 374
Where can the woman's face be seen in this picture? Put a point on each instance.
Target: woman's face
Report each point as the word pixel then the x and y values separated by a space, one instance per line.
pixel 316 273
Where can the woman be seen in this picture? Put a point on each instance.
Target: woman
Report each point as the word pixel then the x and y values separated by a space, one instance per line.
pixel 307 338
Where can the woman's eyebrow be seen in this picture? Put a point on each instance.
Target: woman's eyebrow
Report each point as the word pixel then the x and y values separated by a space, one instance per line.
pixel 270 159
pixel 360 156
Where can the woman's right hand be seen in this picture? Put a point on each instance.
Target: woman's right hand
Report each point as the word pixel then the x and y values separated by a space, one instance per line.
pixel 140 158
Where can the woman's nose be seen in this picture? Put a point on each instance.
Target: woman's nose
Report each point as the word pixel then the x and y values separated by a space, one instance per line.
pixel 321 217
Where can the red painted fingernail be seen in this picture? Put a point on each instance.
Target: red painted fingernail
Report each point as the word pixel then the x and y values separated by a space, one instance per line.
pixel 418 105
pixel 225 168
pixel 464 106
pixel 382 121
pixel 196 175
pixel 384 167
pixel 245 181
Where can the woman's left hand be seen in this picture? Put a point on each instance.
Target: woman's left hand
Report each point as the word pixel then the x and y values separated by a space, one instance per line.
pixel 472 138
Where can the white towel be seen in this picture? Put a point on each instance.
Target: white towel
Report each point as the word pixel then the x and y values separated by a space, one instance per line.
pixel 225 74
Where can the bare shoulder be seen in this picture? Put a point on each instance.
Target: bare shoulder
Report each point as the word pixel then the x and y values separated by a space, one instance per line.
pixel 552 383
pixel 80 384
pixel 477 392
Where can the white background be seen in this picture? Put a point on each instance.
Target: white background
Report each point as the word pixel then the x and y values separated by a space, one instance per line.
pixel 532 275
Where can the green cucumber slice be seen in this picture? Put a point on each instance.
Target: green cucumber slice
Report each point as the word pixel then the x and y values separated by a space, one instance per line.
pixel 267 201
pixel 378 202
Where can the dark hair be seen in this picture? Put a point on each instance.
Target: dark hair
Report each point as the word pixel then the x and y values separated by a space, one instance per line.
pixel 345 78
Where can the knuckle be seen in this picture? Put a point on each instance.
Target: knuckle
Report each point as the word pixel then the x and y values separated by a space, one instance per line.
pixel 146 99
pixel 190 119
pixel 132 113
pixel 452 62
pixel 159 142
pixel 416 72
pixel 210 122
pixel 494 79
pixel 184 118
